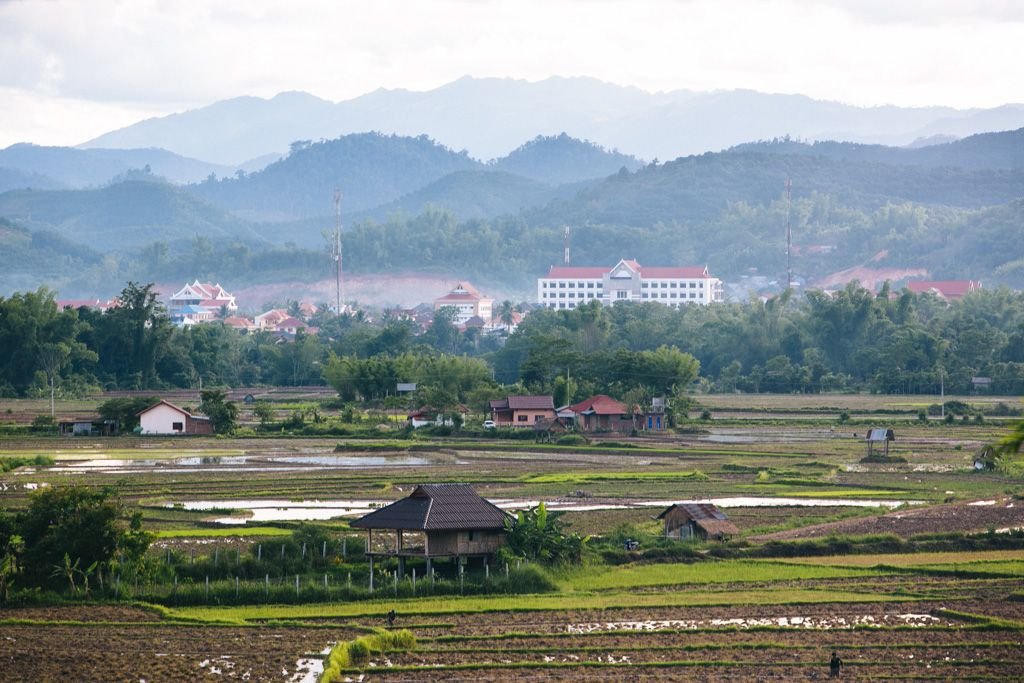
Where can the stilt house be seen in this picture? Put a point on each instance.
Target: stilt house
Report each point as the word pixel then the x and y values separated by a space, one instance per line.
pixel 435 521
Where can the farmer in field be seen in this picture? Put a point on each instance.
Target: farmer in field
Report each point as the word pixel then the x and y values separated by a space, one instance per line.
pixel 834 665
pixel 391 619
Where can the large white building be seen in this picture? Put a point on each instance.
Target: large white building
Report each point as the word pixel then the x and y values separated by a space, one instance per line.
pixel 567 287
pixel 467 302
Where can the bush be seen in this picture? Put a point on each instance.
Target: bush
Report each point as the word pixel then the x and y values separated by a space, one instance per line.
pixel 572 440
pixel 44 424
pixel 844 417
pixel 705 414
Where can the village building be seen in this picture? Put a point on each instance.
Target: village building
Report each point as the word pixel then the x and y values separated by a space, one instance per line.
pixel 522 411
pixel 879 438
pixel 567 287
pixel 435 521
pixel 467 302
pixel 703 521
pixel 166 418
pixel 204 295
pixel 603 413
pixel 92 425
pixel 947 290
pixel 98 305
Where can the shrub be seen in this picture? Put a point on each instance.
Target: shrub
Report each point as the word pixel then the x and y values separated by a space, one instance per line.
pixel 844 417
pixel 705 414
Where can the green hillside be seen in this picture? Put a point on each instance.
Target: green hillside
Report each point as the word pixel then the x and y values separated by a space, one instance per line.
pixel 370 169
pixel 557 160
pixel 123 215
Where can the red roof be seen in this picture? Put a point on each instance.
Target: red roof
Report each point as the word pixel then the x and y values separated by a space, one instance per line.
pixel 592 272
pixel 947 289
pixel 600 405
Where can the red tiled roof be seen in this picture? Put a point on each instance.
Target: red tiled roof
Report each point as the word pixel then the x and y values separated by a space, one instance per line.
pixel 600 405
pixel 949 289
pixel 591 272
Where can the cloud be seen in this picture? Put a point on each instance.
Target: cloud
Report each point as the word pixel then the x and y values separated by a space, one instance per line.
pixel 163 55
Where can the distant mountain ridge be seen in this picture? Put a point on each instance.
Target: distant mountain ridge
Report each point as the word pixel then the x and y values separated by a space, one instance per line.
pixel 71 167
pixel 489 117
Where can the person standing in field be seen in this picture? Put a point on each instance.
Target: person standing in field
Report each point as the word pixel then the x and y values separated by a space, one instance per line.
pixel 834 665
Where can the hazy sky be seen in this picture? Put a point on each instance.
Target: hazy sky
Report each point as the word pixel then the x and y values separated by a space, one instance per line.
pixel 70 70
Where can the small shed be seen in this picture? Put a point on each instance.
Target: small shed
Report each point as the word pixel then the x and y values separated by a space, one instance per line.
pixel 686 521
pixel 879 438
pixel 87 426
pixel 434 521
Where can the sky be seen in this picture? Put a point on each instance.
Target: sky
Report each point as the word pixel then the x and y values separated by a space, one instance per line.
pixel 71 70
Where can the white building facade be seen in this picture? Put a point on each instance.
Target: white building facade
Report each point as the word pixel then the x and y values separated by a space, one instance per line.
pixel 567 287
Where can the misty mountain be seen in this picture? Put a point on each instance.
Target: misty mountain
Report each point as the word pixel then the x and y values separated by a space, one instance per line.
pixel 471 194
pixel 489 117
pixel 93 167
pixel 370 169
pixel 557 160
pixel 1004 150
pixel 16 179
pixel 123 215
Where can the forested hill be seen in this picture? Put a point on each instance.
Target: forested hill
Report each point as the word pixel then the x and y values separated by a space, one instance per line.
pixel 557 160
pixel 123 215
pixel 370 169
pixel 67 166
pixel 1004 150
pixel 700 187
pixel 382 173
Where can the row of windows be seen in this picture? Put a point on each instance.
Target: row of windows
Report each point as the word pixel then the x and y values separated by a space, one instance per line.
pixel 572 304
pixel 671 285
pixel 571 285
pixel 671 295
pixel 572 295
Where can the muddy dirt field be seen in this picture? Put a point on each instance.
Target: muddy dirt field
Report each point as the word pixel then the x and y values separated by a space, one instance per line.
pixel 980 516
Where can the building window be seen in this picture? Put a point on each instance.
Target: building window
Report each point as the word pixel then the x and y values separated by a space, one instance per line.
pixel 645 295
pixel 561 285
pixel 590 285
pixel 621 294
pixel 471 536
pixel 693 285
pixel 672 285
pixel 664 285
pixel 580 285
pixel 643 285
pixel 572 295
pixel 177 427
pixel 522 418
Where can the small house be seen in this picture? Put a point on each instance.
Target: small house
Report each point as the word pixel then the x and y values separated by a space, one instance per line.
pixel 601 413
pixel 434 521
pixel 522 411
pixel 87 426
pixel 704 521
pixel 166 418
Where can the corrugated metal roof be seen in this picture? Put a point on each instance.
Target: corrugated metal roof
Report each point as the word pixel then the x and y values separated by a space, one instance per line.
pixel 601 404
pixel 436 507
pixel 696 511
pixel 531 403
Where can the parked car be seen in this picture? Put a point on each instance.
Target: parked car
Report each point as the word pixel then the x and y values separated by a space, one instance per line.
pixel 489 424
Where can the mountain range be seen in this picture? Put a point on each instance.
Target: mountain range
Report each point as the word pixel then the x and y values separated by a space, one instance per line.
pixel 489 117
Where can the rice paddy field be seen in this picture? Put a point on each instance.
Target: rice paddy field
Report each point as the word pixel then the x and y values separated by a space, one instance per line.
pixel 785 469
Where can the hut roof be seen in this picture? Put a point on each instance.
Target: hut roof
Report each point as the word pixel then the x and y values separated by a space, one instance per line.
pixel 696 511
pixel 717 527
pixel 436 507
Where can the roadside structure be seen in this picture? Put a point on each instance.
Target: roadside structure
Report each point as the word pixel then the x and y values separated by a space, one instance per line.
pixel 879 438
pixel 522 411
pixel 436 521
pixel 164 417
pixel 686 521
pixel 567 287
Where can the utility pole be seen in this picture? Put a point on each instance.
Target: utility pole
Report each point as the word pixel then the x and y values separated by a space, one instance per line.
pixel 789 235
pixel 567 235
pixel 339 285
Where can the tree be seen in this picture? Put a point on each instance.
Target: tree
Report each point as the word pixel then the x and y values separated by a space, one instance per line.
pixel 53 357
pixel 223 414
pixel 264 411
pixel 125 410
pixel 539 535
pixel 80 523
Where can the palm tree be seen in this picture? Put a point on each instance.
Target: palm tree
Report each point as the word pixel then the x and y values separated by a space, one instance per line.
pixel 507 314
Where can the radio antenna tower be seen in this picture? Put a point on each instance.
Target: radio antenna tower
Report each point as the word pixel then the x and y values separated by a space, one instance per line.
pixel 339 284
pixel 567 235
pixel 789 235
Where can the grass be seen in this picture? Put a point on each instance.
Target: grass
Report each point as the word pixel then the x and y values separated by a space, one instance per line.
pixel 241 531
pixel 705 573
pixel 911 559
pixel 592 477
pixel 527 603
